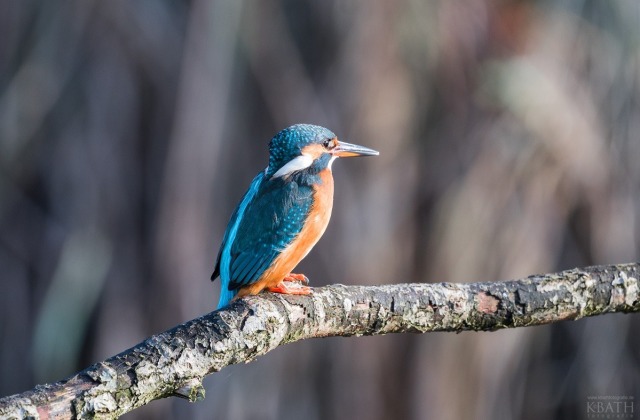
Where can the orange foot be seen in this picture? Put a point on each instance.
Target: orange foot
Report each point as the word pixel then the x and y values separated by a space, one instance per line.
pixel 297 277
pixel 290 288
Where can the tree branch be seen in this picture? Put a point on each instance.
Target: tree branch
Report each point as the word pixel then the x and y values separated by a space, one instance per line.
pixel 175 362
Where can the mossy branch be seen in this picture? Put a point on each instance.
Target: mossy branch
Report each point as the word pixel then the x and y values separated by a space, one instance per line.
pixel 175 362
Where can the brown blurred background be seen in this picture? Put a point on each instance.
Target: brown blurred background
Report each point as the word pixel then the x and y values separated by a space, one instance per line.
pixel 509 134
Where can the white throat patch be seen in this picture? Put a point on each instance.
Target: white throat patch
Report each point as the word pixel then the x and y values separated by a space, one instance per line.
pixel 296 164
pixel 331 161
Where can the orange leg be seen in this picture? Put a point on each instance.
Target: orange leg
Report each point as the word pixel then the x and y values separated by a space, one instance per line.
pixel 289 288
pixel 296 277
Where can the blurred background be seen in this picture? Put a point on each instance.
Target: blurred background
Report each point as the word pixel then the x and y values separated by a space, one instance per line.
pixel 509 134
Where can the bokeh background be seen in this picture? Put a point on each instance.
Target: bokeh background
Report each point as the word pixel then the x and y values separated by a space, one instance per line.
pixel 509 134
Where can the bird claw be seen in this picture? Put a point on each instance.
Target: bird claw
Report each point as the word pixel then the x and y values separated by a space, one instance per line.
pixel 290 288
pixel 293 277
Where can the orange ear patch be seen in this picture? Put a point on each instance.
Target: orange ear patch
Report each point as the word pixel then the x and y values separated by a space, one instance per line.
pixel 314 150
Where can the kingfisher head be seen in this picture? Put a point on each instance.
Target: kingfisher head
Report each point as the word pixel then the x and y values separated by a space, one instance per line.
pixel 302 145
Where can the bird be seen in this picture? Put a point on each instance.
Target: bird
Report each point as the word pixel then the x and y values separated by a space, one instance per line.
pixel 282 215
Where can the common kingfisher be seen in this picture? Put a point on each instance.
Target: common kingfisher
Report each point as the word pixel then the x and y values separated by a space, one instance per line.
pixel 282 215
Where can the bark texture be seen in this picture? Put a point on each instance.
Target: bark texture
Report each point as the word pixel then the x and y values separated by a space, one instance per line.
pixel 174 363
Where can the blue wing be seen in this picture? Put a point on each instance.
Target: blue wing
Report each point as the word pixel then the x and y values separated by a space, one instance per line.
pixel 271 222
pixel 222 262
pixel 269 217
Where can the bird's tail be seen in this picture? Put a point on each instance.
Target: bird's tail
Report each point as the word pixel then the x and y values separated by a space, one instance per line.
pixel 225 296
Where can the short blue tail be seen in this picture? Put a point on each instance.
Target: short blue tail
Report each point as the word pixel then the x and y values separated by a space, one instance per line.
pixel 225 295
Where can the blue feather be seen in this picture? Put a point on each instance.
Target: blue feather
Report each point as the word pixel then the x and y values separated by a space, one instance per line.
pixel 224 257
pixel 268 219
pixel 259 263
pixel 271 221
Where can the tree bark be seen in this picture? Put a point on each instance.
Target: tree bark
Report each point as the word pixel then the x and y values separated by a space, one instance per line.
pixel 174 363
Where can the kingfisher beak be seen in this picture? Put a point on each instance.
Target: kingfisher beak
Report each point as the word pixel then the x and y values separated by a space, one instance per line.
pixel 352 150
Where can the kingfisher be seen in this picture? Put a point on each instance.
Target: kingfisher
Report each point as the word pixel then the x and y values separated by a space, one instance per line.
pixel 283 214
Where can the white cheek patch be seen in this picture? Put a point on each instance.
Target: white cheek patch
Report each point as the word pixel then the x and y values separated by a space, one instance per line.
pixel 296 164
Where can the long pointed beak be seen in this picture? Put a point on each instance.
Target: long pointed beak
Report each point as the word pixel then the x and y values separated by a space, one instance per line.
pixel 352 150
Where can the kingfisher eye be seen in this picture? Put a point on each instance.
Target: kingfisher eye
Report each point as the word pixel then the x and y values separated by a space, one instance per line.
pixel 329 143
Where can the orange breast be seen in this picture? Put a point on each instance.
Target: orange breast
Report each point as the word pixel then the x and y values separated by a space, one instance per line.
pixel 312 231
